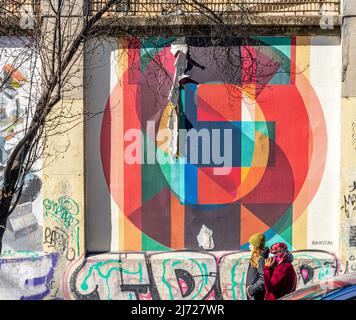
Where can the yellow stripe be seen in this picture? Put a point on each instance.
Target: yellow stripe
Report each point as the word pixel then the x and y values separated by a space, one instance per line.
pixel 300 224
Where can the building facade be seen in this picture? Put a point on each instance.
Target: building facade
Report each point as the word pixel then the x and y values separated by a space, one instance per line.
pixel 126 212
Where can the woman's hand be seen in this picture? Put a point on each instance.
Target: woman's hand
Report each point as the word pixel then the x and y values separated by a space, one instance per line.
pixel 247 293
pixel 269 262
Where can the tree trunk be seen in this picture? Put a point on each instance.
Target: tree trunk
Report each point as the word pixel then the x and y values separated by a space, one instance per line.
pixel 5 204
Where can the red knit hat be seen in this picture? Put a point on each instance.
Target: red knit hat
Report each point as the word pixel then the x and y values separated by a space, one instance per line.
pixel 278 247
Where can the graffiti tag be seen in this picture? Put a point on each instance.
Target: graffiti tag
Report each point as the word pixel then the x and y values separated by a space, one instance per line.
pixel 65 211
pixel 349 201
pixel 59 239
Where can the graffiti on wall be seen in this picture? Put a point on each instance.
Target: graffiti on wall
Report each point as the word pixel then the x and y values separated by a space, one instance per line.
pixel 24 227
pixel 64 235
pixel 179 275
pixel 188 201
pixel 27 278
pixel 348 226
pixel 349 201
pixel 188 275
pixel 349 265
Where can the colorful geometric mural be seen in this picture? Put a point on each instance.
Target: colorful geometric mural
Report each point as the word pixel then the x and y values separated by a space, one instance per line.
pixel 252 94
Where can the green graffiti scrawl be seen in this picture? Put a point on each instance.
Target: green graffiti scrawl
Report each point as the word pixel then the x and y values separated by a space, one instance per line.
pixel 233 281
pixel 64 212
pixel 325 267
pixel 99 265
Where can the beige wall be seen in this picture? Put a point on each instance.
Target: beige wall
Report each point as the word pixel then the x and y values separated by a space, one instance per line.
pixel 63 187
pixel 348 185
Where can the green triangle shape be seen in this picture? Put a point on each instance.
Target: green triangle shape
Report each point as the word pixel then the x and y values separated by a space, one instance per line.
pixel 148 244
pixel 284 227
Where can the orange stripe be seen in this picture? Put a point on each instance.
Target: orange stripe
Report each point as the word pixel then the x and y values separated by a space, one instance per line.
pixel 177 223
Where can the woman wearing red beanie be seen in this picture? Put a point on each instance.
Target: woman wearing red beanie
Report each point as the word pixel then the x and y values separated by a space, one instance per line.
pixel 279 275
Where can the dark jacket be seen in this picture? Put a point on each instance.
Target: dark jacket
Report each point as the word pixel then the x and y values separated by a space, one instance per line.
pixel 280 280
pixel 255 285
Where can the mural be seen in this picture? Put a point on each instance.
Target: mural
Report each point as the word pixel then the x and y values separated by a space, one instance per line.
pixel 283 130
pixel 28 278
pixel 203 144
pixel 17 71
pixel 179 275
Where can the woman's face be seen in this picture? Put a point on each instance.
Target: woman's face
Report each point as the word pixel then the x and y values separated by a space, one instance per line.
pixel 252 247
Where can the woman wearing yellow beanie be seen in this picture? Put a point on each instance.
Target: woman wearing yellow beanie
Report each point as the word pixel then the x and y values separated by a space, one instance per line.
pixel 255 286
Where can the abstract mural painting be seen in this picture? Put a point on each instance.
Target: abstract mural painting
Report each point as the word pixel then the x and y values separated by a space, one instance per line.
pixel 258 90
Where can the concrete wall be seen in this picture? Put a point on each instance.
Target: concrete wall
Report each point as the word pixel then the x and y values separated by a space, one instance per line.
pixel 348 167
pixel 63 194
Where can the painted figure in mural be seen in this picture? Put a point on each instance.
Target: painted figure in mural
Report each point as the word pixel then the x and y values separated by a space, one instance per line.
pixel 279 274
pixel 255 286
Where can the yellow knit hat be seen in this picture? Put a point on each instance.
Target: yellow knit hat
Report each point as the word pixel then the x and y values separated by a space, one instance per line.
pixel 258 240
